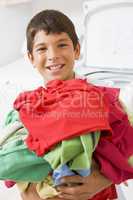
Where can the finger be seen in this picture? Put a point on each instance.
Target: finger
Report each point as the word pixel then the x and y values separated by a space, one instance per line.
pixel 72 179
pixel 73 190
pixel 84 196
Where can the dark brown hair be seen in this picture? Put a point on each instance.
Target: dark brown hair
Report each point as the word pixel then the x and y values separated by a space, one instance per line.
pixel 50 21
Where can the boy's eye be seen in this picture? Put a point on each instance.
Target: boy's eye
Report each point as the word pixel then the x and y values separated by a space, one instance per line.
pixel 63 45
pixel 42 49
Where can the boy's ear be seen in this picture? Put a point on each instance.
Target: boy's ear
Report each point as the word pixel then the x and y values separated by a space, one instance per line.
pixel 77 52
pixel 30 57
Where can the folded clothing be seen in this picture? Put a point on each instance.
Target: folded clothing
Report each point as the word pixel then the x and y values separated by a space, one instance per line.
pixel 71 108
pixel 19 163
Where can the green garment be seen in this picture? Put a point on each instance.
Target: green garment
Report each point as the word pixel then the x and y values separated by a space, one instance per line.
pixel 12 116
pixel 20 164
pixel 76 152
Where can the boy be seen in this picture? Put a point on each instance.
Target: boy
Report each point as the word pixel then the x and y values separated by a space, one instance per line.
pixel 53 47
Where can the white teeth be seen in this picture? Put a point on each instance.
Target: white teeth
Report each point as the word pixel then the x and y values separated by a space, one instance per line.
pixel 54 67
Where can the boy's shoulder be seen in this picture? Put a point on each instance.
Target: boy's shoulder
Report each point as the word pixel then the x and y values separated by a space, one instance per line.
pixel 110 92
pixel 106 89
pixel 29 92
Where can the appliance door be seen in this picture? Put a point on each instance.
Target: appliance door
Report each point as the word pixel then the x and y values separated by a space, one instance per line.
pixel 107 48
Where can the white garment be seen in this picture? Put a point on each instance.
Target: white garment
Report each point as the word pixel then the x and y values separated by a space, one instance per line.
pixel 126 99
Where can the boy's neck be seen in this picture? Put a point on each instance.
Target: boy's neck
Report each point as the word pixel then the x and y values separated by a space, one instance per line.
pixel 75 75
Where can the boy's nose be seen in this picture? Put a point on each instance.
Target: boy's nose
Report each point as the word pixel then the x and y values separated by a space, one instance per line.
pixel 53 58
pixel 53 54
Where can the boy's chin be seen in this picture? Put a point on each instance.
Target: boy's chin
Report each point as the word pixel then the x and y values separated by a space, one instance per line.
pixel 46 80
pixel 58 77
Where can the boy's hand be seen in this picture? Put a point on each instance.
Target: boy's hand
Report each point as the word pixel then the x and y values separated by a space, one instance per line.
pixel 84 187
pixel 89 186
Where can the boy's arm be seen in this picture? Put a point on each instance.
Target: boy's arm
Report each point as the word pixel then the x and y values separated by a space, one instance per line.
pixel 90 185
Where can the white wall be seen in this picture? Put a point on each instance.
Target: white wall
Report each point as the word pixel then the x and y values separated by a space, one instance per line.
pixel 72 8
pixel 13 20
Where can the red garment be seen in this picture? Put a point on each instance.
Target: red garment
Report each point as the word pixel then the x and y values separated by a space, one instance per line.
pixel 106 194
pixel 113 155
pixel 63 110
pixel 9 183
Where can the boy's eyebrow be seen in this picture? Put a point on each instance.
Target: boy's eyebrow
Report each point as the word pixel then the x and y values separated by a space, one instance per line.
pixel 63 40
pixel 40 44
pixel 60 40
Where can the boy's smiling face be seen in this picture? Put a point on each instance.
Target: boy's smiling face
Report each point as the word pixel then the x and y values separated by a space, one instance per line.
pixel 53 55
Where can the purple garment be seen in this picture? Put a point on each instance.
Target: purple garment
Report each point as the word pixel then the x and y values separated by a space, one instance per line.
pixel 64 170
pixel 113 155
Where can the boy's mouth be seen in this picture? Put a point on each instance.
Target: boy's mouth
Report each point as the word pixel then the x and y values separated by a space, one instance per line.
pixel 55 67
